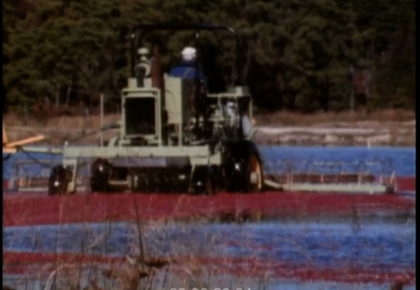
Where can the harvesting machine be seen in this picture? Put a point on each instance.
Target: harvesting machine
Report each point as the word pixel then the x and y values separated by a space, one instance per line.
pixel 174 135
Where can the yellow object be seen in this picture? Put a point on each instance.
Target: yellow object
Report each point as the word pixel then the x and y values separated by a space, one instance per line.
pixel 4 135
pixel 11 147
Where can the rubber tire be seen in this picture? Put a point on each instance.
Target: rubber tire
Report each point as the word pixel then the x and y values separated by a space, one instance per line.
pixel 58 180
pixel 202 181
pixel 242 161
pixel 255 180
pixel 100 173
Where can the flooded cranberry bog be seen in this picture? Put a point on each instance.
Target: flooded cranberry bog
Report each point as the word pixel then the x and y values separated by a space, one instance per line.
pixel 269 240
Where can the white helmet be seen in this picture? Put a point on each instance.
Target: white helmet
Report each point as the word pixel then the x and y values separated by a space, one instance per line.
pixel 189 53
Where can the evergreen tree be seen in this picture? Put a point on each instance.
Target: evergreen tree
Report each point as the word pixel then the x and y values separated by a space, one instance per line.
pixel 295 55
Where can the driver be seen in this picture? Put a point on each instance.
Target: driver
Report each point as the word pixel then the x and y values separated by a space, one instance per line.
pixel 188 68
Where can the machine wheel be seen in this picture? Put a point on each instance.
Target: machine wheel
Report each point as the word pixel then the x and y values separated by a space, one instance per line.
pixel 100 172
pixel 243 167
pixel 202 181
pixel 59 180
pixel 254 173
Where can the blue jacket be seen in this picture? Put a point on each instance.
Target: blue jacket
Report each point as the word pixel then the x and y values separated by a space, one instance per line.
pixel 186 70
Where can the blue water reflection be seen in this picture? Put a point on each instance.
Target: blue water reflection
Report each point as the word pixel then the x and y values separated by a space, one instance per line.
pixel 376 160
pixel 322 245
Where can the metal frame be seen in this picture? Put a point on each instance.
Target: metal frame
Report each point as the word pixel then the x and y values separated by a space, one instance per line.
pixel 197 155
pixel 138 31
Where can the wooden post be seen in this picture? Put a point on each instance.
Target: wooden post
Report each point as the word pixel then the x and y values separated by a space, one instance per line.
pixel 5 140
pixel 102 120
pixel 351 90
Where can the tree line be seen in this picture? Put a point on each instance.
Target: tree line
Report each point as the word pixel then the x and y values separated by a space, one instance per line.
pixel 297 55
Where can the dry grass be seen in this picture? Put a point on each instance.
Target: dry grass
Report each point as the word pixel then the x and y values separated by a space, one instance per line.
pixel 57 130
pixel 135 271
pixel 60 123
pixel 300 119
pixel 85 129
